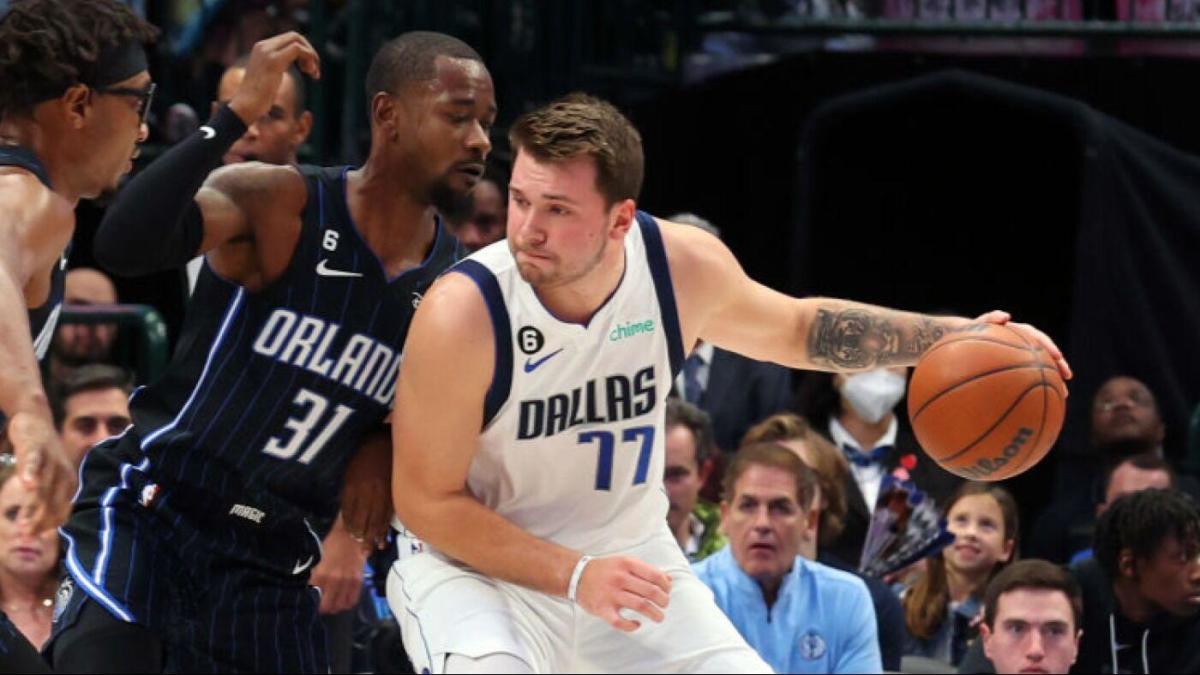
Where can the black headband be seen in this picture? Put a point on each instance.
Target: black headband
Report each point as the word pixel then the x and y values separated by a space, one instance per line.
pixel 117 63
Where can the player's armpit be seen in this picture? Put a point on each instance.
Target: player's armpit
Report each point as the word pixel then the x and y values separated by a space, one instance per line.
pixel 444 379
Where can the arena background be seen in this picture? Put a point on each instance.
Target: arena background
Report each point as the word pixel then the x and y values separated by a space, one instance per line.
pixel 935 165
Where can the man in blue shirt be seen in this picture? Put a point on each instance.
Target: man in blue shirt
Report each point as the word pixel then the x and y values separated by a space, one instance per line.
pixel 801 616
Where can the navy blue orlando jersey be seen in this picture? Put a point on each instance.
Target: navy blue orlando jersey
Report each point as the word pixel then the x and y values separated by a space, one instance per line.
pixel 269 393
pixel 42 319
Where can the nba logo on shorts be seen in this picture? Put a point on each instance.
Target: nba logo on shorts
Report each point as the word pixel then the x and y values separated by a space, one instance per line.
pixel 812 646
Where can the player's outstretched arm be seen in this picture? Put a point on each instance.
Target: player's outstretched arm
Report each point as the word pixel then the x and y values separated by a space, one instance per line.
pixel 162 218
pixel 27 213
pixel 447 369
pixel 719 303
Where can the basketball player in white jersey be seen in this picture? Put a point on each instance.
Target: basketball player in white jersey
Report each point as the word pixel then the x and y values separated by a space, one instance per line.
pixel 528 425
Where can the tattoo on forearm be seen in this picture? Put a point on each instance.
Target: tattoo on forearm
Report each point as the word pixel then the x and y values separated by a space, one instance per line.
pixel 862 338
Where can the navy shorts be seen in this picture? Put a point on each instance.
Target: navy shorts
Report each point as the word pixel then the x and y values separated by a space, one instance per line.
pixel 224 592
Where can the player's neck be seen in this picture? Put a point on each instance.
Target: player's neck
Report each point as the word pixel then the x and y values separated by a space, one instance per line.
pixel 29 135
pixel 398 228
pixel 579 300
pixel 864 433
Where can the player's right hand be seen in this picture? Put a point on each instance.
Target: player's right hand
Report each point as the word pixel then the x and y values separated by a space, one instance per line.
pixel 269 59
pixel 42 467
pixel 611 584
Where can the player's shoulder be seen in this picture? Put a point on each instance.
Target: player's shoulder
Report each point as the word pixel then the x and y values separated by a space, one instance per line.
pixel 27 204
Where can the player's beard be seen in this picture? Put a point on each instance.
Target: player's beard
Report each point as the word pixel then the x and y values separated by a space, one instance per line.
pixel 454 205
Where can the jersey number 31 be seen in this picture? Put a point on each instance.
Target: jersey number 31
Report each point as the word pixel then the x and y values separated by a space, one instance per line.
pixel 301 427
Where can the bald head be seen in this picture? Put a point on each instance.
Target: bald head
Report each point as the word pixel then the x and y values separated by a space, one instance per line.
pixel 78 343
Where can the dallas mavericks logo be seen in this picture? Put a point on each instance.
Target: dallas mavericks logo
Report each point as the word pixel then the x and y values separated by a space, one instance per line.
pixel 812 645
pixel 62 597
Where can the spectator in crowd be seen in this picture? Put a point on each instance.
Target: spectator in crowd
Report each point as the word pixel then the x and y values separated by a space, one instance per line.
pixel 275 138
pixel 857 413
pixel 695 523
pixel 801 616
pixel 1141 591
pixel 76 344
pixel 942 607
pixel 794 433
pixel 28 560
pixel 90 405
pixel 1125 421
pixel 1132 474
pixel 735 391
pixel 1143 610
pixel 485 218
pixel 1032 613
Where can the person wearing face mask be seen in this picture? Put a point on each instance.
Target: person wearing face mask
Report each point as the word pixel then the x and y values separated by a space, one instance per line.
pixel 799 615
pixel 942 608
pixel 858 414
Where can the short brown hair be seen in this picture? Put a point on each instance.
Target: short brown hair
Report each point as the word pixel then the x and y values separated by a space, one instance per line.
pixel 828 463
pixel 682 413
pixel 775 456
pixel 578 124
pixel 1036 574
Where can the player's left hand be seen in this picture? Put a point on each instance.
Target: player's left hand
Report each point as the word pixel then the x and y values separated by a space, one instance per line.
pixel 1002 318
pixel 367 491
pixel 339 575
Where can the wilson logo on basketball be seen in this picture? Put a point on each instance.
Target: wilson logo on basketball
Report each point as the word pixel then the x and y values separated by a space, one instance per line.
pixel 986 467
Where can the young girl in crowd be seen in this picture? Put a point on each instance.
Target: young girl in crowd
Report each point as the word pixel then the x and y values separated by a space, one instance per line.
pixel 942 608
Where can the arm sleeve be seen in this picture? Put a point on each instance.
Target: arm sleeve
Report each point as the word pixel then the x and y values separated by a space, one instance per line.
pixel 859 651
pixel 155 223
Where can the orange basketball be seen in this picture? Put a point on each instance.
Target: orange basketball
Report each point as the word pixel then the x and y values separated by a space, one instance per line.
pixel 986 403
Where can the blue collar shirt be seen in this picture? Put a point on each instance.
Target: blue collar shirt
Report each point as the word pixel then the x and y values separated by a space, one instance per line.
pixel 822 621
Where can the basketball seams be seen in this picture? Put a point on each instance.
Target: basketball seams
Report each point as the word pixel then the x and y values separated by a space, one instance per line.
pixel 974 338
pixel 1016 402
pixel 1033 447
pixel 1039 365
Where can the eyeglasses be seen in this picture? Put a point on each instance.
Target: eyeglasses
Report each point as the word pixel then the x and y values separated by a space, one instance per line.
pixel 86 424
pixel 144 97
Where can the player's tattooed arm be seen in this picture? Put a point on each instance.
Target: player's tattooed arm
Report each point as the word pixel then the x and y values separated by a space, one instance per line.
pixel 851 336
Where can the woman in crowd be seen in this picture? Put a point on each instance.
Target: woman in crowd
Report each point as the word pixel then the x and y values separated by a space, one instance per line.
pixel 943 606
pixel 28 561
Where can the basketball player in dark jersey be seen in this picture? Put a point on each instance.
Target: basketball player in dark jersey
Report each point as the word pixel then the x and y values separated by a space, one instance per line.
pixel 74 89
pixel 193 534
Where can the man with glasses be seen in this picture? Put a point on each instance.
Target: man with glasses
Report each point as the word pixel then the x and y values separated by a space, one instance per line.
pixel 74 91
pixel 90 405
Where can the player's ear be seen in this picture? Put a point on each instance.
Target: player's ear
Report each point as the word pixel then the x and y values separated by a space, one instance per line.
pixel 77 103
pixel 385 114
pixel 303 127
pixel 622 216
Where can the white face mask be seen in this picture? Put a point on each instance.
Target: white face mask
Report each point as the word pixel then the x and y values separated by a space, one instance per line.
pixel 874 393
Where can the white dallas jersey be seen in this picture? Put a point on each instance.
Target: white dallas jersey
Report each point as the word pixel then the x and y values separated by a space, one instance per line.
pixel 572 446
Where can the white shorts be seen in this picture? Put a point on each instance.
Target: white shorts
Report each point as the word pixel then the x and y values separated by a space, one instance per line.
pixel 447 608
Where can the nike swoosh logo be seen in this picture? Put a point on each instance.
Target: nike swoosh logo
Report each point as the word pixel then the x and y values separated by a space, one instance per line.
pixel 208 132
pixel 300 567
pixel 326 272
pixel 531 365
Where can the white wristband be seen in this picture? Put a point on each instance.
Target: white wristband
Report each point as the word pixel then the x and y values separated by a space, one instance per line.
pixel 573 585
